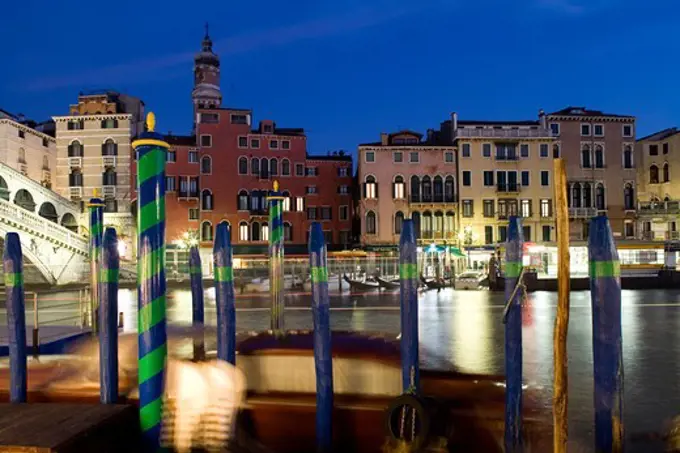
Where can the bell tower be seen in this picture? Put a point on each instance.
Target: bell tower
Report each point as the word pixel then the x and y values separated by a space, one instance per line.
pixel 206 92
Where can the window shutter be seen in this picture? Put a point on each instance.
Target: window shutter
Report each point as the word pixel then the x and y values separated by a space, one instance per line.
pixel 103 149
pixel 115 149
pixel 363 190
pixel 394 190
pixel 376 189
pixel 70 150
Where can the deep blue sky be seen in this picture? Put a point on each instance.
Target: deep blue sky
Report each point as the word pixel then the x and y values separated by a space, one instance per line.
pixel 350 69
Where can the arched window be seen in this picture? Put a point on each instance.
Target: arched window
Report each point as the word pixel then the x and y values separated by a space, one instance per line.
pixel 415 189
pixel 109 148
pixel 285 167
pixel 273 166
pixel 255 231
pixel 255 198
pixel 599 197
pixel 398 222
pixel 206 200
pixel 255 166
pixel 426 228
pixel 438 185
pixel 243 231
pixel 556 151
pixel 206 165
pixel 75 149
pixel 438 228
pixel 427 189
pixel 398 188
pixel 415 216
pixel 371 223
pixel 628 197
pixel 370 188
pixel 627 157
pixel 585 157
pixel 264 168
pixel 587 195
pixel 265 232
pixel 599 157
pixel 287 231
pixel 46 163
pixel 206 232
pixel 653 174
pixel 109 177
pixel 242 165
pixel 21 158
pixel 242 201
pixel 286 201
pixel 666 173
pixel 449 222
pixel 576 195
pixel 449 189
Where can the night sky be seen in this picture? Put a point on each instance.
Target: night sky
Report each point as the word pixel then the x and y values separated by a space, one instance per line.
pixel 350 69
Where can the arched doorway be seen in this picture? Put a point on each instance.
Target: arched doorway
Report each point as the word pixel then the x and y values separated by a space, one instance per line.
pixel 69 221
pixel 24 199
pixel 48 211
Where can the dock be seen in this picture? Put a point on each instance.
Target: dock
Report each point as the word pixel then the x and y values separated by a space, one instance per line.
pixel 52 339
pixel 68 428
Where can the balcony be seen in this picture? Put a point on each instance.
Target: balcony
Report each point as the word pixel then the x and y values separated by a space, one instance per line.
pixel 582 213
pixel 503 133
pixel 659 208
pixel 508 188
pixel 109 191
pixel 75 161
pixel 647 235
pixel 673 235
pixel 75 193
pixel 187 194
pixel 507 157
pixel 436 200
pixel 438 235
pixel 109 161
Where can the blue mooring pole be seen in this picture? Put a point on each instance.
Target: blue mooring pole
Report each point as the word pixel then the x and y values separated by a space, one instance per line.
pixel 16 318
pixel 323 359
pixel 108 318
pixel 408 296
pixel 605 296
pixel 224 295
pixel 513 337
pixel 197 304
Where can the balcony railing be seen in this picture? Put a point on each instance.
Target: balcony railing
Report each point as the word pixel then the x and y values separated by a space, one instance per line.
pixel 503 133
pixel 75 161
pixel 433 199
pixel 507 157
pixel 582 213
pixel 448 235
pixel 648 235
pixel 187 194
pixel 109 191
pixel 109 161
pixel 672 235
pixel 659 207
pixel 507 188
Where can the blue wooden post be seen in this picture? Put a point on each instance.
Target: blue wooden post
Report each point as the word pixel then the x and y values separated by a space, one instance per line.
pixel 323 359
pixel 605 296
pixel 108 318
pixel 16 318
pixel 513 337
pixel 408 285
pixel 198 317
pixel 224 295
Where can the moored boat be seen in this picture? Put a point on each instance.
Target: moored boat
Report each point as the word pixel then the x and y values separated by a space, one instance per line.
pixel 361 285
pixel 387 284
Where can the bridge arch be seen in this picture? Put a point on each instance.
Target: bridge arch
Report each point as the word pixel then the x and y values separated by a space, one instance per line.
pixel 48 211
pixel 24 199
pixel 4 189
pixel 69 221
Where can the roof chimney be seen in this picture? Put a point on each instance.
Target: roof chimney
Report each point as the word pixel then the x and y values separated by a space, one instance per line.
pixel 384 139
pixel 454 126
pixel 542 119
pixel 430 135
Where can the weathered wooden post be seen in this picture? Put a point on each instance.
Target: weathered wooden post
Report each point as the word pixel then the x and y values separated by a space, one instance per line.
pixel 513 336
pixel 224 295
pixel 605 296
pixel 108 319
pixel 151 280
pixel 197 303
pixel 323 359
pixel 408 295
pixel 16 318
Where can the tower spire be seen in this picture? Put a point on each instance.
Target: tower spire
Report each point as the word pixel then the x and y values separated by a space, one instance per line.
pixel 207 34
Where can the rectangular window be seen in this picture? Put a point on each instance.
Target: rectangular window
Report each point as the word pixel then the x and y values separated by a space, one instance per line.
pixel 243 142
pixel 299 204
pixel 210 118
pixel 525 209
pixel 343 172
pixel 525 178
pixel 193 157
pixel 585 130
pixel 310 190
pixel 545 178
pixel 448 157
pixel 398 157
pixel 255 143
pixel 206 141
pixel 524 150
pixel 193 186
pixel 343 213
pixel 285 144
pixel 526 232
pixel 414 157
pixel 467 178
pixel 665 148
pixel 171 156
pixel 653 150
pixel 466 150
pixel 21 133
pixel 488 178
pixel 110 205
pixel 45 142
pixel 268 128
pixel 555 128
pixel 273 144
pixel 299 170
pixel 370 156
pixel 489 210
pixel 544 150
pixel 627 130
pixel 546 208
pixel 193 213
pixel 343 190
pixel 502 233
pixel 486 150
pixel 170 184
pixel 468 208
pixel 546 233
pixel 506 151
pixel 311 213
pixel 326 213
pixel 311 171
pixel 488 234
pixel 345 237
pixel 598 130
pixel 239 119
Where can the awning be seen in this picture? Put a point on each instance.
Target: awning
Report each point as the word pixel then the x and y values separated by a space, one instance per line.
pixel 455 251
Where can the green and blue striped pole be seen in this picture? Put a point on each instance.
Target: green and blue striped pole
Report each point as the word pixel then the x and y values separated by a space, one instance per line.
pixel 513 337
pixel 323 359
pixel 13 268
pixel 605 296
pixel 197 303
pixel 96 207
pixel 408 295
pixel 151 284
pixel 275 200
pixel 108 319
pixel 224 294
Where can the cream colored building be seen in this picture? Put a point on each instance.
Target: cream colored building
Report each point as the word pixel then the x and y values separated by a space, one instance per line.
pixel 658 160
pixel 27 150
pixel 94 152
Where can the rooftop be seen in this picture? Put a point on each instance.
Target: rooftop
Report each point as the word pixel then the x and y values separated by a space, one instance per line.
pixel 497 123
pixel 181 140
pixel 661 135
pixel 331 157
pixel 584 112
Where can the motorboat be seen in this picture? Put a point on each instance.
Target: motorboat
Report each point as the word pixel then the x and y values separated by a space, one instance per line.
pixel 470 280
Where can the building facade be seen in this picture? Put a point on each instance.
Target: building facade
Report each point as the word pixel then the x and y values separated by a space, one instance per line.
pixel 658 159
pixel 94 154
pixel 598 149
pixel 406 176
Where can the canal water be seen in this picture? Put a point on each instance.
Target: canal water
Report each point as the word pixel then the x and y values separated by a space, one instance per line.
pixel 463 330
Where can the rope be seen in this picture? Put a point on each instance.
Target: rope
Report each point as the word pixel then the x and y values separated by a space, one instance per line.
pixel 520 284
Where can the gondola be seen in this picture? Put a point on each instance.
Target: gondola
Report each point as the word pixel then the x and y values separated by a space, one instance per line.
pixel 356 285
pixel 387 284
pixel 434 284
